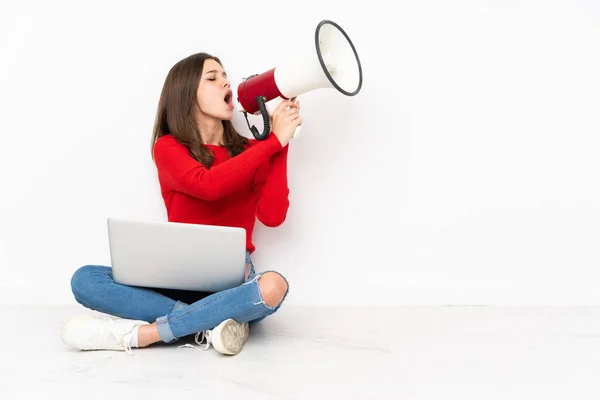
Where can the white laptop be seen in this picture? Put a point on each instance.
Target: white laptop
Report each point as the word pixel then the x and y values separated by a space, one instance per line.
pixel 172 255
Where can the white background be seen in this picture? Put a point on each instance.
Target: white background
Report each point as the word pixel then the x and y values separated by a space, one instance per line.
pixel 464 172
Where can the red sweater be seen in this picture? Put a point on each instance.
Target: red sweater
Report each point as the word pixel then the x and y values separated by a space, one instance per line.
pixel 233 192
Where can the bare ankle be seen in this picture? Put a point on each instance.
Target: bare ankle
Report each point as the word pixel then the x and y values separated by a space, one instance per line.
pixel 148 334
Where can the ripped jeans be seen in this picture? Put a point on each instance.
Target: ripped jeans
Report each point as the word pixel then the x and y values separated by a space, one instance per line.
pixel 177 313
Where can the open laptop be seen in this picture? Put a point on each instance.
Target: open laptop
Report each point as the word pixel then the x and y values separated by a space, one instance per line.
pixel 172 255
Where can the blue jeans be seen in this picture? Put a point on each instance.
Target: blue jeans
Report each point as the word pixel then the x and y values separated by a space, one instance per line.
pixel 177 313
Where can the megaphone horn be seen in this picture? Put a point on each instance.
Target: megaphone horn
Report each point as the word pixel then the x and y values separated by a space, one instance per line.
pixel 332 62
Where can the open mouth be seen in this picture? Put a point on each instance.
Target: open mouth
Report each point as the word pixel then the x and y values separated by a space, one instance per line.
pixel 228 97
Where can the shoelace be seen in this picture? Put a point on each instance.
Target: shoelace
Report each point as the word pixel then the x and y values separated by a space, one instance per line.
pixel 123 339
pixel 127 344
pixel 199 342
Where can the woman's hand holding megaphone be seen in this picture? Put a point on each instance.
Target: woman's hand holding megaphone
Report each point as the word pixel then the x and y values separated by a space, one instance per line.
pixel 284 120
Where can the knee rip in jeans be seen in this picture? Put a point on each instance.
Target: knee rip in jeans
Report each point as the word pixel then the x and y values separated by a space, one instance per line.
pixel 273 285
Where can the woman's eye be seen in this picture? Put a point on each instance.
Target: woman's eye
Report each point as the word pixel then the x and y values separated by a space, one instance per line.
pixel 211 79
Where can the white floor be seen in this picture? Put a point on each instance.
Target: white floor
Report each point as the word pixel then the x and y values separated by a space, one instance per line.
pixel 325 353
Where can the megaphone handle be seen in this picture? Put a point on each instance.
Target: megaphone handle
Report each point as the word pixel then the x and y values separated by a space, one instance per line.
pixel 297 132
pixel 265 115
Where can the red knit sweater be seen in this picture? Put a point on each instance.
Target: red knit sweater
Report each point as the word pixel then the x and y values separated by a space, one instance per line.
pixel 233 192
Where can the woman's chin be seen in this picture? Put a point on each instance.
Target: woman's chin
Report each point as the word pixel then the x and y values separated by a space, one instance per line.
pixel 228 116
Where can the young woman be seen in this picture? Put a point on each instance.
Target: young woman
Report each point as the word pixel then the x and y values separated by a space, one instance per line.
pixel 208 174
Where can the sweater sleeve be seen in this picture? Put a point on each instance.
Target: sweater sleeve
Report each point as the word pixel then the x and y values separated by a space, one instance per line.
pixel 271 187
pixel 179 171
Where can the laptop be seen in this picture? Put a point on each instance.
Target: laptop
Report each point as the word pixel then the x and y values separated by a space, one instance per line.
pixel 172 255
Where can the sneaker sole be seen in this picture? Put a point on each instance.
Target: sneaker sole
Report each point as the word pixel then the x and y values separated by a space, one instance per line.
pixel 233 337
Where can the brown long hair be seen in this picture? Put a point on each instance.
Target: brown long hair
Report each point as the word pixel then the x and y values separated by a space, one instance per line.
pixel 176 111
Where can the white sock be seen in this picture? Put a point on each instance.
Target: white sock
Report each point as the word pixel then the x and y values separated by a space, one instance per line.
pixel 134 337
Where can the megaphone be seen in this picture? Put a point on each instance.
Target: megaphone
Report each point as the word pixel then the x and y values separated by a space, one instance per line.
pixel 330 62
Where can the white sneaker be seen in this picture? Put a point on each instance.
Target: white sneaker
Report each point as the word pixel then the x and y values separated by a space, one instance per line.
pixel 89 332
pixel 229 337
